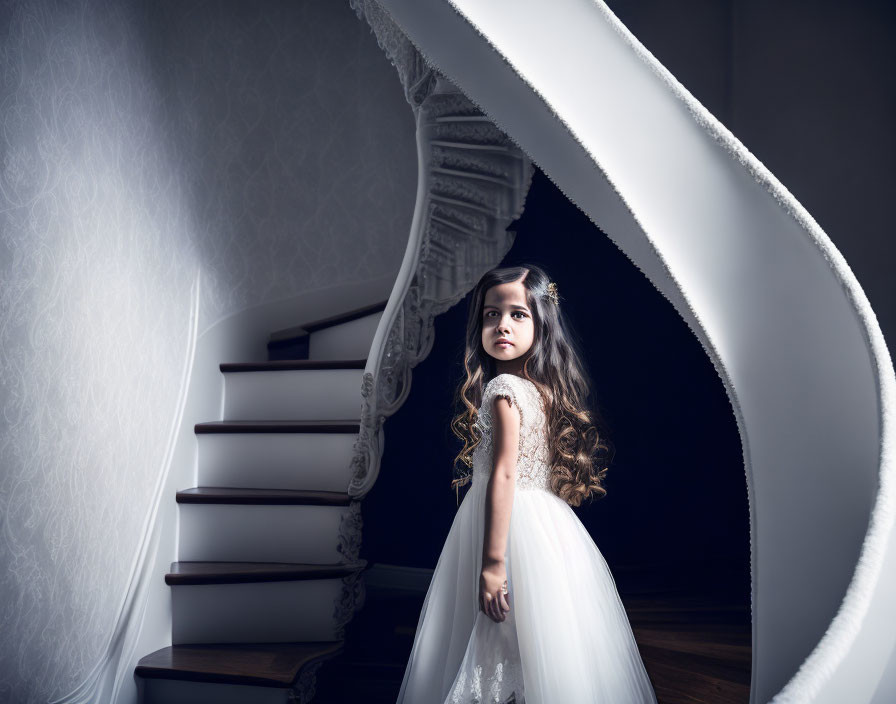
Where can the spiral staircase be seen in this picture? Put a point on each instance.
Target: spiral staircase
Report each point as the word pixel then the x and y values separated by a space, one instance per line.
pixel 268 574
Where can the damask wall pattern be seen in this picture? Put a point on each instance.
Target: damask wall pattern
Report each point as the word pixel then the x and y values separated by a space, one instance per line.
pixel 261 149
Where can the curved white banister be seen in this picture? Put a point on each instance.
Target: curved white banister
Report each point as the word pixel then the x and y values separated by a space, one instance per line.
pixel 773 302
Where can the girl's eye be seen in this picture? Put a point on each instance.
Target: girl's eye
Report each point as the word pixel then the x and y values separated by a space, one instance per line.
pixel 488 313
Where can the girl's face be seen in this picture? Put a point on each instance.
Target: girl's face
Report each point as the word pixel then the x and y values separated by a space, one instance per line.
pixel 506 316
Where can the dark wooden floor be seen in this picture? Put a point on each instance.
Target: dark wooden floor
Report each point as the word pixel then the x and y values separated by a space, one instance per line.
pixel 695 644
pixel 694 649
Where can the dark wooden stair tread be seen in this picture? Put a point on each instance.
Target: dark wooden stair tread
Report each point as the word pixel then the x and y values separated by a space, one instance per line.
pixel 238 495
pixel 279 365
pixel 191 573
pixel 258 664
pixel 277 426
pixel 321 323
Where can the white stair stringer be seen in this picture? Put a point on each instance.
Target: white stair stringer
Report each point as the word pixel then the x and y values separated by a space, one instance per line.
pixel 775 305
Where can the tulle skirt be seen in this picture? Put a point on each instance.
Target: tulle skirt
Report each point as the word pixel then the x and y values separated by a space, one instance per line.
pixel 566 638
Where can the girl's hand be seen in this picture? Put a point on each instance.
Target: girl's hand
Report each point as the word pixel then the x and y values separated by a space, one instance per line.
pixel 492 600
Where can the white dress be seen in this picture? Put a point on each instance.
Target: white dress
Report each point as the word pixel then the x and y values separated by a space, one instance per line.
pixel 566 638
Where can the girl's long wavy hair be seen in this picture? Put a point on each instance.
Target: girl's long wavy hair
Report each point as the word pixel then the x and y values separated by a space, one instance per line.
pixel 579 451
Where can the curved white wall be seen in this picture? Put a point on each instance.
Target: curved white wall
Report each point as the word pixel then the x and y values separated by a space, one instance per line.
pixel 774 304
pixel 147 148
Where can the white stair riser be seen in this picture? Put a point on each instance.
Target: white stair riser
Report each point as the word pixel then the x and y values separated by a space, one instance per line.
pixel 308 394
pixel 310 461
pixel 253 533
pixel 349 340
pixel 156 691
pixel 255 612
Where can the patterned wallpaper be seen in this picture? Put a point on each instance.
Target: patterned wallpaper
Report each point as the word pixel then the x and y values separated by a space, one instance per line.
pixel 266 147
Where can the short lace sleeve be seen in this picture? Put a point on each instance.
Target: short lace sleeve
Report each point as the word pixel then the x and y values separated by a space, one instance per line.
pixel 502 386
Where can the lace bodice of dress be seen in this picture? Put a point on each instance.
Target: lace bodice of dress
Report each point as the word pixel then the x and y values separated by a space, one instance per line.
pixel 533 470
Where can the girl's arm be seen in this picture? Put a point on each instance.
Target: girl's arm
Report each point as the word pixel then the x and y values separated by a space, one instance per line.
pixel 498 504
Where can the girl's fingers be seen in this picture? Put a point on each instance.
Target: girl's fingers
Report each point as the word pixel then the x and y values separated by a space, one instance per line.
pixel 487 606
pixel 496 609
pixel 505 605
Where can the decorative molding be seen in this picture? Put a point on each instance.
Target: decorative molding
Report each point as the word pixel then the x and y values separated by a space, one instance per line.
pixel 472 184
pixel 302 692
pixel 350 525
pixel 351 599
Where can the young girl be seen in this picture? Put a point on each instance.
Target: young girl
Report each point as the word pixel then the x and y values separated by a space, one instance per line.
pixel 522 607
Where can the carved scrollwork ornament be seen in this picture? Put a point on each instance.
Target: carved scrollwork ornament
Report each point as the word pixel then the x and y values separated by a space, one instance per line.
pixel 351 598
pixel 350 525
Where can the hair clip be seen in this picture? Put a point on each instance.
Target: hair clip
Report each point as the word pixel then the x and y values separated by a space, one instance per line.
pixel 552 293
